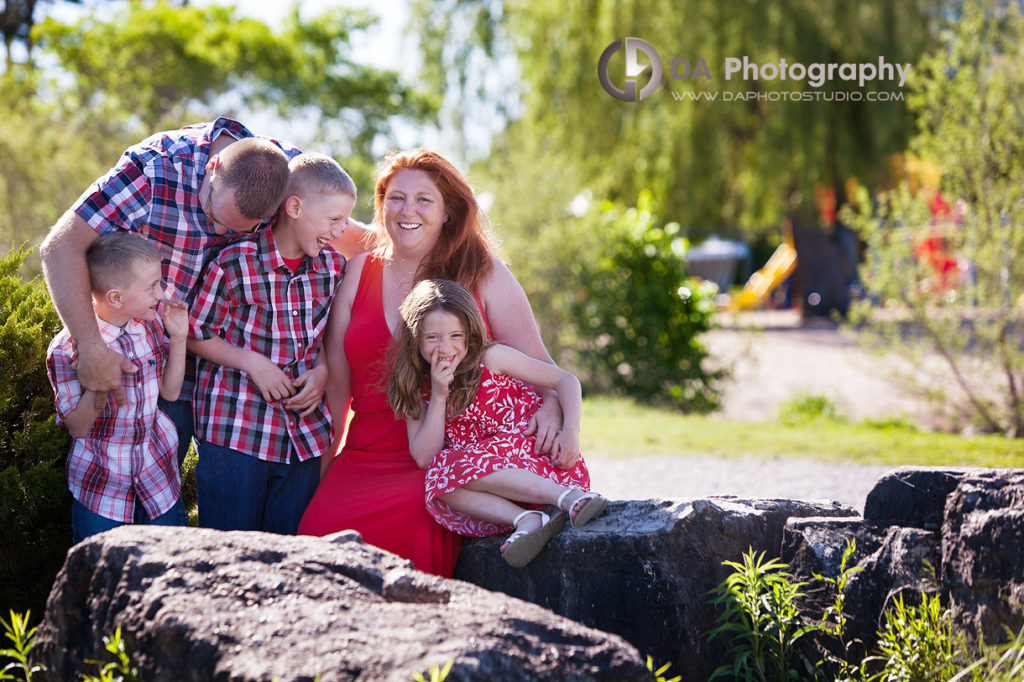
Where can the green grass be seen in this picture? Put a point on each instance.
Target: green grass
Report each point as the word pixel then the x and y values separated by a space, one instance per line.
pixel 620 428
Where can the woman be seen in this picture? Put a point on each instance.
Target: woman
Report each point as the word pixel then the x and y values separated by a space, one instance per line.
pixel 433 229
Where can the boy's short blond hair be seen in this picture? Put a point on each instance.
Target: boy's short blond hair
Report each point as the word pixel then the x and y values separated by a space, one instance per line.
pixel 320 174
pixel 113 257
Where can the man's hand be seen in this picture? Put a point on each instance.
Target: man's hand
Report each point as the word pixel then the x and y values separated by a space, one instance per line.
pixel 100 369
pixel 311 385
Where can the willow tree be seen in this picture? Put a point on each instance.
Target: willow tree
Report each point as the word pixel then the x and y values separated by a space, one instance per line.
pixel 740 165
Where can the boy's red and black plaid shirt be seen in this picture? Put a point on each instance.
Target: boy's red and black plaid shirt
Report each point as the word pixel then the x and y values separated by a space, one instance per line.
pixel 251 299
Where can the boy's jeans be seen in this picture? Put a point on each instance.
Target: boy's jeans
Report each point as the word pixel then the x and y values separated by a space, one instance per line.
pixel 240 492
pixel 85 523
pixel 180 412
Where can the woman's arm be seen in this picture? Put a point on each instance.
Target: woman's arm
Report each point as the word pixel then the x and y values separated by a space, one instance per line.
pixel 512 323
pixel 339 376
pixel 505 360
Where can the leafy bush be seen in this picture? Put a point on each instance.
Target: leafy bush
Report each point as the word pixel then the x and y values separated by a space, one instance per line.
pixel 35 506
pixel 808 407
pixel 966 96
pixel 637 317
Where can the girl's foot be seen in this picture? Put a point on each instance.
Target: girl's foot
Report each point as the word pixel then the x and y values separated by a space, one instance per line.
pixel 583 507
pixel 533 530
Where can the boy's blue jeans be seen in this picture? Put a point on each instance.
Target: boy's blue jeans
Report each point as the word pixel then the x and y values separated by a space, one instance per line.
pixel 85 523
pixel 240 492
pixel 180 412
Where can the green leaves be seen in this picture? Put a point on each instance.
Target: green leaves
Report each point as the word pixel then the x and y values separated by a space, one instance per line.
pixel 21 638
pixel 760 615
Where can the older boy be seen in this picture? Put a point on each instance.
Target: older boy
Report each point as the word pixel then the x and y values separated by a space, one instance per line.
pixel 258 322
pixel 122 466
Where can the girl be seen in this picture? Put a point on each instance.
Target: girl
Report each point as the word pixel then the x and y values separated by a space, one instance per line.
pixel 466 406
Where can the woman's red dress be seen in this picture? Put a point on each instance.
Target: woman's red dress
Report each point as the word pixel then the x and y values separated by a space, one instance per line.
pixel 374 486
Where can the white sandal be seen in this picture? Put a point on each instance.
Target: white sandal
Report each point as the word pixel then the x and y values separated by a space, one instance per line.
pixel 593 505
pixel 523 545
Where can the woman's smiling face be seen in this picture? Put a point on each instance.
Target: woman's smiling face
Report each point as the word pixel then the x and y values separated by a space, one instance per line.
pixel 414 212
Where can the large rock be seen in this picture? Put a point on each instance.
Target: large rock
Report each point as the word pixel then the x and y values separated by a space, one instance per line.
pixel 205 605
pixel 955 532
pixel 644 569
pixel 913 496
pixel 983 553
pixel 890 560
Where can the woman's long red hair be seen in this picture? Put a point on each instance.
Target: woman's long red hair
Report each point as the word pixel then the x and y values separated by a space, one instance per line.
pixel 464 251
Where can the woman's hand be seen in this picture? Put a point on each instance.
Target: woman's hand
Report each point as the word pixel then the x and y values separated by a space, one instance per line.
pixel 566 450
pixel 545 424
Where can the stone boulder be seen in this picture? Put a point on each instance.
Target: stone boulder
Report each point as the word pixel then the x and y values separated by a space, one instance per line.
pixel 954 532
pixel 914 497
pixel 890 559
pixel 643 570
pixel 206 605
pixel 983 553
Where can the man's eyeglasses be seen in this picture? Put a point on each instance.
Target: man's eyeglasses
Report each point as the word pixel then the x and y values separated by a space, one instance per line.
pixel 208 210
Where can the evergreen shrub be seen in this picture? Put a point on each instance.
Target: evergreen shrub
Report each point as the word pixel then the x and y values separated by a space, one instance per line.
pixel 35 505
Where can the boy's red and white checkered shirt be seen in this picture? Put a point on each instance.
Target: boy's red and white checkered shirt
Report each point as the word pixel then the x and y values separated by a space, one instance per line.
pixel 130 453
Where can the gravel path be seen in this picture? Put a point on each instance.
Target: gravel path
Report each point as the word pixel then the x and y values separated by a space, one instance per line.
pixel 694 477
pixel 774 357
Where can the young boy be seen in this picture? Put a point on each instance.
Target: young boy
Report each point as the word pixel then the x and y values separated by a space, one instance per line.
pixel 122 466
pixel 257 324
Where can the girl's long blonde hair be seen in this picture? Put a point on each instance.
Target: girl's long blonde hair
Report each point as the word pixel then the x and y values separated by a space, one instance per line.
pixel 410 371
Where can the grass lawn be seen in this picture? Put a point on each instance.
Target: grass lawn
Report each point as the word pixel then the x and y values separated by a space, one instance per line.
pixel 620 428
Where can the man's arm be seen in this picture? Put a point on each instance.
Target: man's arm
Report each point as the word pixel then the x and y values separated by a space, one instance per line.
pixel 67 277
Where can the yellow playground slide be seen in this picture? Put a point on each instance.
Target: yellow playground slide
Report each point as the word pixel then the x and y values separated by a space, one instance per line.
pixel 761 283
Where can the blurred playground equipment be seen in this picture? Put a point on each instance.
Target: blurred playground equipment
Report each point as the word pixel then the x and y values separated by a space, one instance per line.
pixel 761 284
pixel 716 260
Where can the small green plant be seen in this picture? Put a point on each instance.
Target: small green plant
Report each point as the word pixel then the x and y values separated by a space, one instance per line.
pixel 805 407
pixel 834 620
pixel 22 638
pixel 996 663
pixel 916 643
pixel 121 669
pixel 659 674
pixel 762 619
pixel 437 674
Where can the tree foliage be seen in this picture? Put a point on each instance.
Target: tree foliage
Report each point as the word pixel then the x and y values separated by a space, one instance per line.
pixel 967 99
pixel 742 166
pixel 151 66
